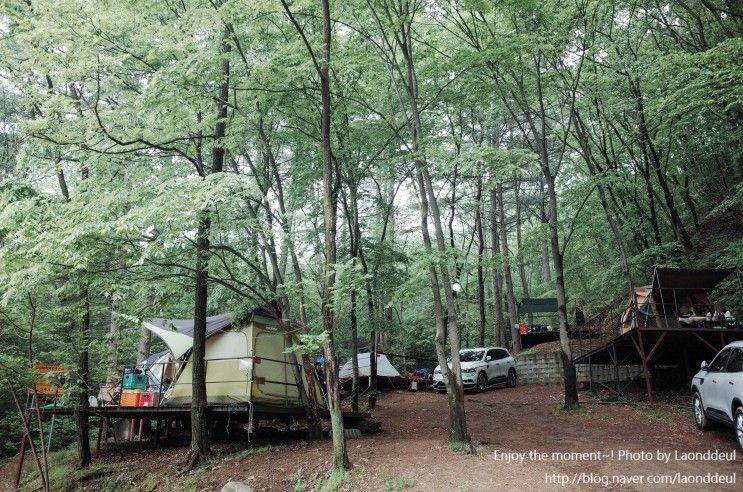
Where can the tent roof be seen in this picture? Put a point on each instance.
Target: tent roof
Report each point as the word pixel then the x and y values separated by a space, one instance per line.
pixel 214 324
pixel 384 367
pixel 153 358
pixel 689 278
pixel 180 339
pixel 531 305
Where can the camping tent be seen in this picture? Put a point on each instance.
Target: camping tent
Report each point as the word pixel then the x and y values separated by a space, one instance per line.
pixel 384 367
pixel 246 365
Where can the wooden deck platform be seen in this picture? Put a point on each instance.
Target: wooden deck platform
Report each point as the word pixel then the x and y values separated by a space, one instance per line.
pixel 166 412
pixel 684 348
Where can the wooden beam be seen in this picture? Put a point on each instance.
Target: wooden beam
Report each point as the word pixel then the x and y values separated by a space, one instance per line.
pixel 641 349
pixel 705 342
pixel 657 344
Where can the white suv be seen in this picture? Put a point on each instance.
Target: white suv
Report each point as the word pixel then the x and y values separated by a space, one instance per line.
pixel 718 391
pixel 482 367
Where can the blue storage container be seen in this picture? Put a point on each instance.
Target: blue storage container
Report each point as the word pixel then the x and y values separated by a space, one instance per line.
pixel 134 381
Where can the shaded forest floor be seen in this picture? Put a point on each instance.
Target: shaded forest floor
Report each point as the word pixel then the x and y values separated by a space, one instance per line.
pixel 411 451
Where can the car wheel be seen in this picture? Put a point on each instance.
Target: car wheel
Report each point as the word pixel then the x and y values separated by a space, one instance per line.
pixel 511 380
pixel 482 382
pixel 700 418
pixel 739 427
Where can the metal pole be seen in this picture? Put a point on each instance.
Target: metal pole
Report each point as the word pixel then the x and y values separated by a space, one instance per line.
pixel 160 392
pixel 662 302
pixel 51 429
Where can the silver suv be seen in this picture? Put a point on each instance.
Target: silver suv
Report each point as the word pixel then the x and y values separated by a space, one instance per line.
pixel 718 391
pixel 481 367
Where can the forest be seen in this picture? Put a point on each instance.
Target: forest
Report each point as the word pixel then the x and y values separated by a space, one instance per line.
pixel 386 175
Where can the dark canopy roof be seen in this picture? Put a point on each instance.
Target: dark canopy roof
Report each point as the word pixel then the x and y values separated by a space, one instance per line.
pixel 214 324
pixel 530 305
pixel 689 278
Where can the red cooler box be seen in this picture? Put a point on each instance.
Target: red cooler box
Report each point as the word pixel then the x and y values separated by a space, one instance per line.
pixel 148 399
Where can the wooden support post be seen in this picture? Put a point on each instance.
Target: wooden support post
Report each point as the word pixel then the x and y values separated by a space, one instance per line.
pixel 657 344
pixel 712 347
pixel 22 455
pixel 100 434
pixel 641 349
pixel 616 365
pixel 158 428
pixel 590 374
pixel 141 426
pixel 113 434
pixel 131 430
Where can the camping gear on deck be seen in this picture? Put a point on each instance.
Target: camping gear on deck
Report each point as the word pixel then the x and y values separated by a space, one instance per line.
pixel 109 392
pixel 147 399
pixel 130 398
pixel 677 298
pixel 135 381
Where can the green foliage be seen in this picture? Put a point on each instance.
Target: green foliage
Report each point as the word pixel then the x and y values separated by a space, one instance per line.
pixel 396 484
pixel 339 480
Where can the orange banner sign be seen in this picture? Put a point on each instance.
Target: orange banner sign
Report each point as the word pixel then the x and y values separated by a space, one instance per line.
pixel 43 386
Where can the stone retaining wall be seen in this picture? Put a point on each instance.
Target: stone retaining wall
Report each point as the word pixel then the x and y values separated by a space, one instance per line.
pixel 547 368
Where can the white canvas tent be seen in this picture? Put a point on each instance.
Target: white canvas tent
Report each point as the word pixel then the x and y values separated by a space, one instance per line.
pixel 246 365
pixel 384 367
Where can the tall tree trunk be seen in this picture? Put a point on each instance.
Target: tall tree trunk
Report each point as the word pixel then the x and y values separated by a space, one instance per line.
pixel 145 335
pixel 354 354
pixel 480 260
pixel 200 435
pixel 520 254
pixel 512 311
pixel 453 378
pixel 500 323
pixel 372 392
pixel 329 201
pixel 355 237
pixel 307 393
pixel 650 153
pixel 83 384
pixel 114 333
pixel 200 426
pixel 457 420
pixel 569 373
pixel 588 156
pixel 546 272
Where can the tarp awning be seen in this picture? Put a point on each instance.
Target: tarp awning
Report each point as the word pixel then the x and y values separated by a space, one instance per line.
pixel 177 342
pixel 531 305
pixel 214 324
pixel 178 333
pixel 689 278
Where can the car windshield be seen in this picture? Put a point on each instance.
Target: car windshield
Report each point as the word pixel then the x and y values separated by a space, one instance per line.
pixel 471 355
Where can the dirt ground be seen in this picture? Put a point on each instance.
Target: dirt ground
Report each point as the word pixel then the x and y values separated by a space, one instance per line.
pixel 617 442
